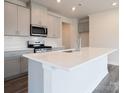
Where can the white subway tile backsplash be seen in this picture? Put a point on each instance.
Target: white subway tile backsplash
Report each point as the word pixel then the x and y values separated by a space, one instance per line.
pixel 20 43
pixel 54 42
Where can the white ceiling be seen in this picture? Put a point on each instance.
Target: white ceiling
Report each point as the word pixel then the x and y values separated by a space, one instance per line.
pixel 88 6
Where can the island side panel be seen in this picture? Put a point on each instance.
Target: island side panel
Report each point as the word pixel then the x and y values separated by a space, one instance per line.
pixel 47 79
pixel 81 80
pixel 35 77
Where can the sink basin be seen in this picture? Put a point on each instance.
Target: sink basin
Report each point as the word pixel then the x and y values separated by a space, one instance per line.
pixel 70 51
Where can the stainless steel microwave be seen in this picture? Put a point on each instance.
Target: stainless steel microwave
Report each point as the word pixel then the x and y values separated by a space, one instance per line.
pixel 38 31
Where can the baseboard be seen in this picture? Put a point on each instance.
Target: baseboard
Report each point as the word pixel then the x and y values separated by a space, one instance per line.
pixel 15 76
pixel 113 64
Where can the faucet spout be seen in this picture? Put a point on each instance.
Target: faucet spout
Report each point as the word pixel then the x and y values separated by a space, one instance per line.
pixel 78 44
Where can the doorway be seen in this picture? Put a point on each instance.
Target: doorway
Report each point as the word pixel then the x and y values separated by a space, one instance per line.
pixel 66 35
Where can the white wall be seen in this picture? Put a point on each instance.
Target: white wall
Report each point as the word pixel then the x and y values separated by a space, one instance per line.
pixel 104 32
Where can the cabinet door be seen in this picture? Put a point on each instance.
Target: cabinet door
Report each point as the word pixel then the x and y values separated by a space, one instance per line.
pixel 56 27
pixel 53 26
pixel 35 14
pixel 24 61
pixel 80 27
pixel 86 26
pixel 83 27
pixel 23 21
pixel 24 65
pixel 10 19
pixel 11 66
pixel 50 26
pixel 43 17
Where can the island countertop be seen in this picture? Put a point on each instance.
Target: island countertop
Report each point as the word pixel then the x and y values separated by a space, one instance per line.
pixel 69 59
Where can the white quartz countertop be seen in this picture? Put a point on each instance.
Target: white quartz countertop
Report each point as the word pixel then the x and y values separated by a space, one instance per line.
pixel 69 60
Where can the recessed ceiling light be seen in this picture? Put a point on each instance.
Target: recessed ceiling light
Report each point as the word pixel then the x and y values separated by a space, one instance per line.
pixel 114 3
pixel 73 8
pixel 58 1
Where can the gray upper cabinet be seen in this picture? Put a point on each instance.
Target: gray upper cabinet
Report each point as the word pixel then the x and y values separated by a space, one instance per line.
pixel 10 19
pixel 35 14
pixel 23 21
pixel 54 25
pixel 17 20
pixel 83 25
pixel 38 15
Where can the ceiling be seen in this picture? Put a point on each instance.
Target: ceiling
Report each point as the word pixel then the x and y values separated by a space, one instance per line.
pixel 88 6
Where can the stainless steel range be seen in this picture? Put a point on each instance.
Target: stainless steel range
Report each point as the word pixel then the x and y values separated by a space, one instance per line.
pixel 38 46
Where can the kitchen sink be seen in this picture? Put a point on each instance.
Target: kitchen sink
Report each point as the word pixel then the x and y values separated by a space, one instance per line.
pixel 70 51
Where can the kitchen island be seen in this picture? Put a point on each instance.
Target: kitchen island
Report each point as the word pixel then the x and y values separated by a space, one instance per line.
pixel 67 71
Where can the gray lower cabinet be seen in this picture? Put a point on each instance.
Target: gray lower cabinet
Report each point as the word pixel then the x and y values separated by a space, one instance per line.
pixel 23 64
pixel 11 66
pixel 15 64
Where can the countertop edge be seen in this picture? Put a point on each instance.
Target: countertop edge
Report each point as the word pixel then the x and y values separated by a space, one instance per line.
pixel 68 68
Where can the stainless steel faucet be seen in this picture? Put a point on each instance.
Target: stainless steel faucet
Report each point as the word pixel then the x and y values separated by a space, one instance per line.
pixel 78 46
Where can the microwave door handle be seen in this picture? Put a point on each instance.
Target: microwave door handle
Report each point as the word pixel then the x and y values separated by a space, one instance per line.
pixel 46 31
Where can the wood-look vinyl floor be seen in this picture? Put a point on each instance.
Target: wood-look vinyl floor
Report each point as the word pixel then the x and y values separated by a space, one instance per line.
pixel 18 85
pixel 110 84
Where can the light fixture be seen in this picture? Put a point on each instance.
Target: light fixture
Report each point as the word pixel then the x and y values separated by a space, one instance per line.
pixel 58 1
pixel 114 3
pixel 73 8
